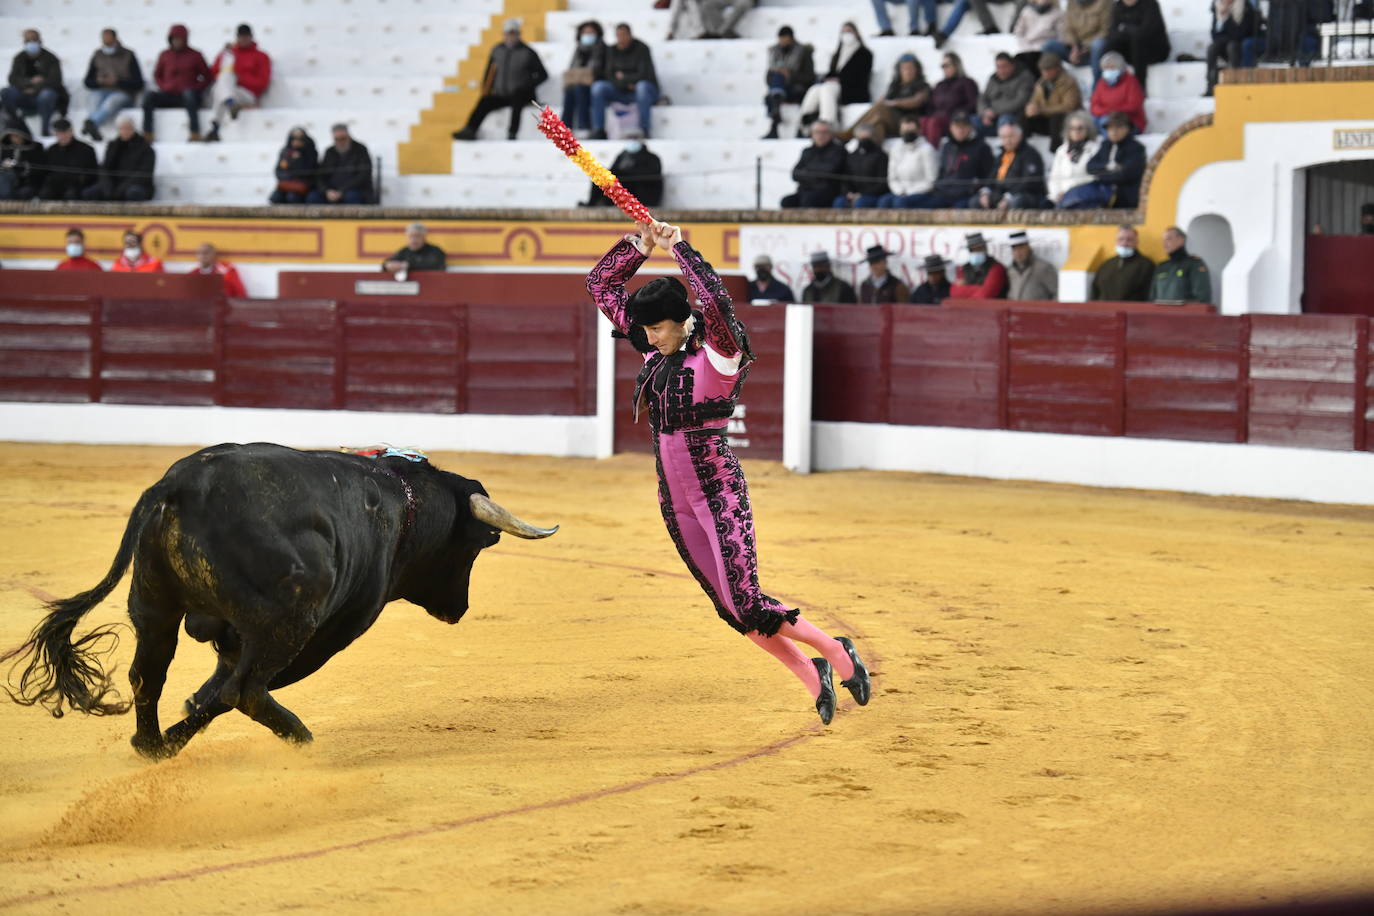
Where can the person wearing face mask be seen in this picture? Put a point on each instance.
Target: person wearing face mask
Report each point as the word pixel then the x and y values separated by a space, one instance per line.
pixel 845 83
pixel 791 71
pixel 297 165
pixel 1118 90
pixel 865 171
pixel 982 277
pixel 514 71
pixel 114 79
pixel 133 259
pixel 824 285
pixel 588 59
pixel 76 253
pixel 765 286
pixel 21 163
pixel 35 83
pixel 70 165
pixel 1083 34
pixel 127 172
pixel 1127 275
pixel 639 170
pixel 1137 32
pixel 912 168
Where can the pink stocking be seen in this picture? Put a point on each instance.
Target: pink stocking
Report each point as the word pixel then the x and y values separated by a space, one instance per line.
pixel 805 631
pixel 786 651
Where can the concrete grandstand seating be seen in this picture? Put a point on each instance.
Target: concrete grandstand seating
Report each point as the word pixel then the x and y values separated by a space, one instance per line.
pixel 373 64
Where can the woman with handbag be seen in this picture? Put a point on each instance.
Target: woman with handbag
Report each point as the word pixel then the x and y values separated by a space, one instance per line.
pixel 587 60
pixel 296 166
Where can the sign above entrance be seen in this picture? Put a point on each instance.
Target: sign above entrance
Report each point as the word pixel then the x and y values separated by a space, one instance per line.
pixel 1352 138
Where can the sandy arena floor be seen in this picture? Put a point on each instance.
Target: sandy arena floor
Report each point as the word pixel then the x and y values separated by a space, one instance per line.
pixel 1085 701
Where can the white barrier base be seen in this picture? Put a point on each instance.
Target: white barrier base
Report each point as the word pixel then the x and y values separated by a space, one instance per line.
pixel 120 424
pixel 1217 469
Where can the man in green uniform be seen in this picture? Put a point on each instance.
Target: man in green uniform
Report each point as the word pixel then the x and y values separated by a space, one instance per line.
pixel 1181 277
pixel 1126 277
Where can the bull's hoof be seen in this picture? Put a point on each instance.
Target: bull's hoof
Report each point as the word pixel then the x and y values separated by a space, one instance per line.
pixel 301 737
pixel 152 748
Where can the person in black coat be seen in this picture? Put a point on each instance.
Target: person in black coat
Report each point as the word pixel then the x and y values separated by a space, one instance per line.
pixel 1233 22
pixel 819 173
pixel 35 83
pixel 965 164
pixel 1018 177
pixel 21 163
pixel 1137 31
pixel 936 287
pixel 127 172
pixel 865 169
pixel 297 165
pixel 767 286
pixel 1116 169
pixel 845 83
pixel 345 173
pixel 514 71
pixel 639 170
pixel 71 165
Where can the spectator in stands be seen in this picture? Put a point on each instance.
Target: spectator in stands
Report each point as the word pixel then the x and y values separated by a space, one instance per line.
pixel 514 71
pixel 908 93
pixel 791 71
pixel 965 162
pixel 865 171
pixel 913 8
pixel 1233 22
pixel 588 59
pixel 1118 90
pixel 936 287
pixel 880 285
pixel 127 172
pixel 1056 94
pixel 1367 219
pixel 21 163
pixel 133 259
pixel 1018 179
pixel 1116 169
pixel 638 169
pixel 416 254
pixel 982 277
pixel 345 174
pixel 1181 277
pixel 765 285
pixel 956 92
pixel 1137 32
pixel 912 167
pixel 1127 276
pixel 115 80
pixel 242 74
pixel 211 263
pixel 1036 24
pixel 819 173
pixel 1030 279
pixel 70 165
pixel 1006 94
pixel 707 18
pixel 35 85
pixel 845 83
pixel 76 253
pixel 1070 166
pixel 629 77
pixel 956 15
pixel 297 167
pixel 181 75
pixel 824 285
pixel 1083 34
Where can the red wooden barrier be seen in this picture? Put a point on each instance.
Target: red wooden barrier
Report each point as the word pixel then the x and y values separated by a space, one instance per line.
pixel 1064 372
pixel 1186 379
pixel 280 353
pixel 1339 275
pixel 946 368
pixel 46 348
pixel 158 351
pixel 1303 381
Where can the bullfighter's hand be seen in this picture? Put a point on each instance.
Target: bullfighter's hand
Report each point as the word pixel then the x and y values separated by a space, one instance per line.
pixel 646 236
pixel 666 235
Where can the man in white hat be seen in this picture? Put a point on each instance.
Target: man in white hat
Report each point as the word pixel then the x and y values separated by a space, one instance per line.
pixel 514 72
pixel 1030 278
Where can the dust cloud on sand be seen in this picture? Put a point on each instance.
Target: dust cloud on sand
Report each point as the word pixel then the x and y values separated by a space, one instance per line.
pixel 1084 701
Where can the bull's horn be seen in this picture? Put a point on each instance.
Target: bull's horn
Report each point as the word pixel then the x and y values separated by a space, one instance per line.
pixel 487 511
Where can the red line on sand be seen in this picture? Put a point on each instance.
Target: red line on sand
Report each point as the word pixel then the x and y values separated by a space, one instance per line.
pixel 445 826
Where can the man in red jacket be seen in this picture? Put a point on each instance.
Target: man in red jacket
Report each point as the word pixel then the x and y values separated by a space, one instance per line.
pixel 242 74
pixel 210 263
pixel 982 277
pixel 133 259
pixel 76 253
pixel 181 75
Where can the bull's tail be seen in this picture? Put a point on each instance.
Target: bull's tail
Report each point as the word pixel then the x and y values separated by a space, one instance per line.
pixel 51 669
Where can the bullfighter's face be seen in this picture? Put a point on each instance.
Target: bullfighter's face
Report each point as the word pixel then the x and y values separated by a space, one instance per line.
pixel 666 336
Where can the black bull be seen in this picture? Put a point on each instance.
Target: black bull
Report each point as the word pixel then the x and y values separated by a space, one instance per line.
pixel 280 558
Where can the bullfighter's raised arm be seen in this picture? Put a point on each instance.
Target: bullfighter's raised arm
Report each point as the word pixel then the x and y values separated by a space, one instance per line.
pixel 607 280
pixel 723 332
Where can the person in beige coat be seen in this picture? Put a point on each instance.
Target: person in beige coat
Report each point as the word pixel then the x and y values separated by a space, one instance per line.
pixel 1055 96
pixel 1028 277
pixel 1083 33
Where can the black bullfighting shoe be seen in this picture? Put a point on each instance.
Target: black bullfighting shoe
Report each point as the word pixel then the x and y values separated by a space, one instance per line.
pixel 825 703
pixel 858 684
